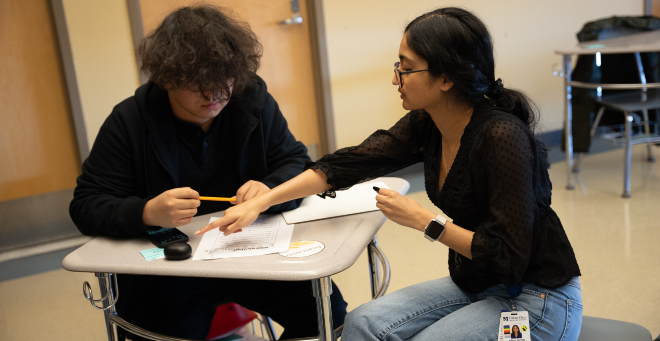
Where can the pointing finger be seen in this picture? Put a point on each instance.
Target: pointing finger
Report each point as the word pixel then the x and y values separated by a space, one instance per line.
pixel 215 224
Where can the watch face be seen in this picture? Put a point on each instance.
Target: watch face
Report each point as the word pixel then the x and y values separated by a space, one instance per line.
pixel 434 230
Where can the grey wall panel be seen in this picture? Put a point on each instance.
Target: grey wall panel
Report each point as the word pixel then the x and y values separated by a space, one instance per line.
pixel 321 69
pixel 69 67
pixel 36 219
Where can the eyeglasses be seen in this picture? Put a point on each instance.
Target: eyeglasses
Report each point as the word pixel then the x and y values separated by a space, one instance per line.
pixel 398 73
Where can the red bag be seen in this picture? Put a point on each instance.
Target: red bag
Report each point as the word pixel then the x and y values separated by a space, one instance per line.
pixel 229 317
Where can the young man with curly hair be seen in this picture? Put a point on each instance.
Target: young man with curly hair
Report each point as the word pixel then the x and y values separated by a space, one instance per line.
pixel 204 123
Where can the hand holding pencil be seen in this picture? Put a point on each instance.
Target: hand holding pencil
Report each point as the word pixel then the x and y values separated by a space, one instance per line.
pixel 248 191
pixel 172 208
pixel 177 206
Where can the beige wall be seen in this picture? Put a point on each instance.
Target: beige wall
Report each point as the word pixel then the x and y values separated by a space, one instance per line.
pixel 363 41
pixel 103 54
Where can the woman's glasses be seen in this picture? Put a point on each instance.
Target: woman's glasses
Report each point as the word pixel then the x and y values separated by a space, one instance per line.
pixel 398 73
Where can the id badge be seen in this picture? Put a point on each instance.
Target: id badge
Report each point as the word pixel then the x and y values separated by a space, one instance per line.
pixel 514 325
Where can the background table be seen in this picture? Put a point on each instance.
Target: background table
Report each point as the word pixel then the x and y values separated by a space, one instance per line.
pixel 632 43
pixel 344 238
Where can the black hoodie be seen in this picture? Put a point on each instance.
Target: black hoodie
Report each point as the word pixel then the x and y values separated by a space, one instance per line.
pixel 135 158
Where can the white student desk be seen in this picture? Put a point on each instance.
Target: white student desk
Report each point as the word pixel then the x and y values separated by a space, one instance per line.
pixel 344 238
pixel 632 43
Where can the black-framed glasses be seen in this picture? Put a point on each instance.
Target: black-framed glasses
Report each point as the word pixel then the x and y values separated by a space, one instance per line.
pixel 398 73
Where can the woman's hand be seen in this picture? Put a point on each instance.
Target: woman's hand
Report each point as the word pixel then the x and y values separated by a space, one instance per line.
pixel 230 222
pixel 243 214
pixel 249 190
pixel 236 218
pixel 403 211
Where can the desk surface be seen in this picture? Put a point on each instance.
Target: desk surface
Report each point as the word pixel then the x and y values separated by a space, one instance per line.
pixel 344 238
pixel 637 42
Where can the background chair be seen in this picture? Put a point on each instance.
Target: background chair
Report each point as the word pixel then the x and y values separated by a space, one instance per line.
pixel 616 69
pixel 635 130
pixel 609 69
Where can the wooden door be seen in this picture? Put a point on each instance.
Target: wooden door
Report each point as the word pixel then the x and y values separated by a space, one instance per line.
pixel 655 8
pixel 286 65
pixel 37 143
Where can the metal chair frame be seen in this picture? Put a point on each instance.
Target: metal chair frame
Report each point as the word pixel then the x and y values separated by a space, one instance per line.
pixel 627 138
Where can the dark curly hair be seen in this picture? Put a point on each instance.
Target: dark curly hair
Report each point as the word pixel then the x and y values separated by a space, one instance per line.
pixel 201 48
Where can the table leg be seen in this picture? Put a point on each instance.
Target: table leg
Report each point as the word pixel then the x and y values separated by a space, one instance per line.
pixel 105 284
pixel 647 131
pixel 374 269
pixel 322 289
pixel 628 155
pixel 642 79
pixel 568 120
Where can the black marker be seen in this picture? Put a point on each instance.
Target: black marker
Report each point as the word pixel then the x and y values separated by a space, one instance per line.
pixel 377 189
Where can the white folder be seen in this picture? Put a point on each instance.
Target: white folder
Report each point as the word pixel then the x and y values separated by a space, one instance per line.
pixel 358 199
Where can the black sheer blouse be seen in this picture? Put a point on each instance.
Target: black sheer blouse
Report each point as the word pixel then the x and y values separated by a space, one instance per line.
pixel 498 187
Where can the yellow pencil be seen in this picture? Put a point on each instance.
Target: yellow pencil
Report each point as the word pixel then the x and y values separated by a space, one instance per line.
pixel 217 199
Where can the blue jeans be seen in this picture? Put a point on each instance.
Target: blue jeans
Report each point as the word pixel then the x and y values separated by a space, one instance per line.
pixel 440 310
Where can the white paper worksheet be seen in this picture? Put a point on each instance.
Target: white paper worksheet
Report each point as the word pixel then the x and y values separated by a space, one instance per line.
pixel 358 199
pixel 268 234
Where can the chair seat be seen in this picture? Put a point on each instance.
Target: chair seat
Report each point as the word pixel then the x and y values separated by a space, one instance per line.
pixel 632 100
pixel 599 329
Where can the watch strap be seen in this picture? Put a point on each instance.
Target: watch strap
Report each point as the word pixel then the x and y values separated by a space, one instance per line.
pixel 439 220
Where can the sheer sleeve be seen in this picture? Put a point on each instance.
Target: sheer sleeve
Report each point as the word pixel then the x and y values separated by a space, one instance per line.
pixel 502 243
pixel 384 152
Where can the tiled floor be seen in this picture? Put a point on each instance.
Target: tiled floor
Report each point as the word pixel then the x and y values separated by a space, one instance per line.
pixel 616 240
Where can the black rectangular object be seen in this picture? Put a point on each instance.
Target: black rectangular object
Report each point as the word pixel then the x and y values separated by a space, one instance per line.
pixel 166 236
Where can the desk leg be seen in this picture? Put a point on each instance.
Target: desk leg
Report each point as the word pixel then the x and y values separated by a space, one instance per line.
pixel 322 288
pixel 647 131
pixel 628 155
pixel 105 284
pixel 568 120
pixel 374 269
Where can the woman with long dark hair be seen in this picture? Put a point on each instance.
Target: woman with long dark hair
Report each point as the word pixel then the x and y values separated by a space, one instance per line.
pixel 484 168
pixel 515 332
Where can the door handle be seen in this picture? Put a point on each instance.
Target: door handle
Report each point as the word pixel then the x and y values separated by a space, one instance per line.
pixel 295 19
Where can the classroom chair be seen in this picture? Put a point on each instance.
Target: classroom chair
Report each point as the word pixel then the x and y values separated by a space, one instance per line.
pixel 599 329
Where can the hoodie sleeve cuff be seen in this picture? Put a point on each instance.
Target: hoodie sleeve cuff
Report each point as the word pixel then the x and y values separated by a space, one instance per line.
pixel 132 216
pixel 271 183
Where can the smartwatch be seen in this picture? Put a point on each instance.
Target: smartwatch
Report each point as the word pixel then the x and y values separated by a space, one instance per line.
pixel 435 228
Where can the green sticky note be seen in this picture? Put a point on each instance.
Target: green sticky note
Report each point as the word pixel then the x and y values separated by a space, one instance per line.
pixel 594 46
pixel 151 254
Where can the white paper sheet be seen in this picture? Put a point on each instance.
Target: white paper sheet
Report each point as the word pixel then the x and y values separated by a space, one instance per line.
pixel 358 199
pixel 268 234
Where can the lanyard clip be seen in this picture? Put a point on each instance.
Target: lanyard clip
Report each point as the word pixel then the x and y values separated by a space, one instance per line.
pixel 514 291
